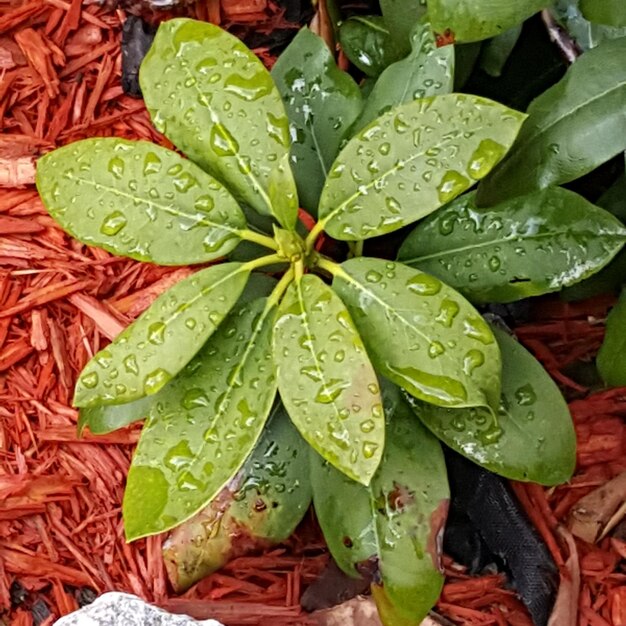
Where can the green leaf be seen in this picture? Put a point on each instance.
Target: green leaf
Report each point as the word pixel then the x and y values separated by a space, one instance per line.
pixel 609 12
pixel 107 418
pixel 611 360
pixel 427 71
pixel 421 334
pixel 322 103
pixel 214 99
pixel 400 17
pixel 203 429
pixel 585 34
pixel 396 523
pixel 367 42
pixel 562 139
pixel 497 51
pixel 326 380
pixel 533 439
pixel 526 246
pixel 474 20
pixel 154 348
pixel 264 503
pixel 139 200
pixel 609 278
pixel 411 161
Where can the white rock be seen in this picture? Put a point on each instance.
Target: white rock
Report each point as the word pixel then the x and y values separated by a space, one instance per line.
pixel 123 609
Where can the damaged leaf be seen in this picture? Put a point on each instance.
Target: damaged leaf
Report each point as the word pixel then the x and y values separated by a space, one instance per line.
pixel 260 507
pixel 391 531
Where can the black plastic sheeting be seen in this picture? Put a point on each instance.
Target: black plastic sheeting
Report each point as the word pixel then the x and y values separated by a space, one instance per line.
pixel 487 528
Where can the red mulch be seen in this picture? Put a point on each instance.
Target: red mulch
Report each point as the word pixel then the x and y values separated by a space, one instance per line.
pixel 60 522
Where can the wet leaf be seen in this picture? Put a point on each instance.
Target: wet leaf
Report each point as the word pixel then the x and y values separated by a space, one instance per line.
pixel 413 160
pixel 421 334
pixel 474 20
pixel 561 140
pixel 136 199
pixel 426 71
pixel 526 246
pixel 326 380
pixel 367 42
pixel 533 439
pixel 611 360
pixel 154 348
pixel 214 99
pixel 203 429
pixel 400 18
pixel 497 51
pixel 322 103
pixel 394 527
pixel 261 507
pixel 610 278
pixel 107 418
pixel 586 34
pixel 609 12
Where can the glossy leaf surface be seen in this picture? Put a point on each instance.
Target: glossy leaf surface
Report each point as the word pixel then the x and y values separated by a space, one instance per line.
pixel 562 139
pixel 326 380
pixel 394 525
pixel 322 103
pixel 426 71
pixel 421 334
pixel 609 12
pixel 107 418
pixel 474 20
pixel 261 507
pixel 611 360
pixel 216 101
pixel 203 429
pixel 154 348
pixel 411 161
pixel 367 42
pixel 533 439
pixel 400 17
pixel 136 199
pixel 526 246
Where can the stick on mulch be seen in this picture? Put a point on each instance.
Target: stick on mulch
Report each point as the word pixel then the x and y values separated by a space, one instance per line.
pixel 61 535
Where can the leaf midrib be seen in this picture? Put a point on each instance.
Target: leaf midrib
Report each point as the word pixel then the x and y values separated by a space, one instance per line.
pixel 495 242
pixel 309 334
pixel 394 312
pixel 163 207
pixel 226 397
pixel 544 129
pixel 215 118
pixel 334 213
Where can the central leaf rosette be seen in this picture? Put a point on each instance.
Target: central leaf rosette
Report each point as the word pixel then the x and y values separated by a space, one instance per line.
pixel 349 356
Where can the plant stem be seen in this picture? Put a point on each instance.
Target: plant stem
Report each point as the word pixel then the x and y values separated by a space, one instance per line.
pixel 356 248
pixel 280 288
pixel 330 266
pixel 262 240
pixel 298 268
pixel 264 260
pixel 316 231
